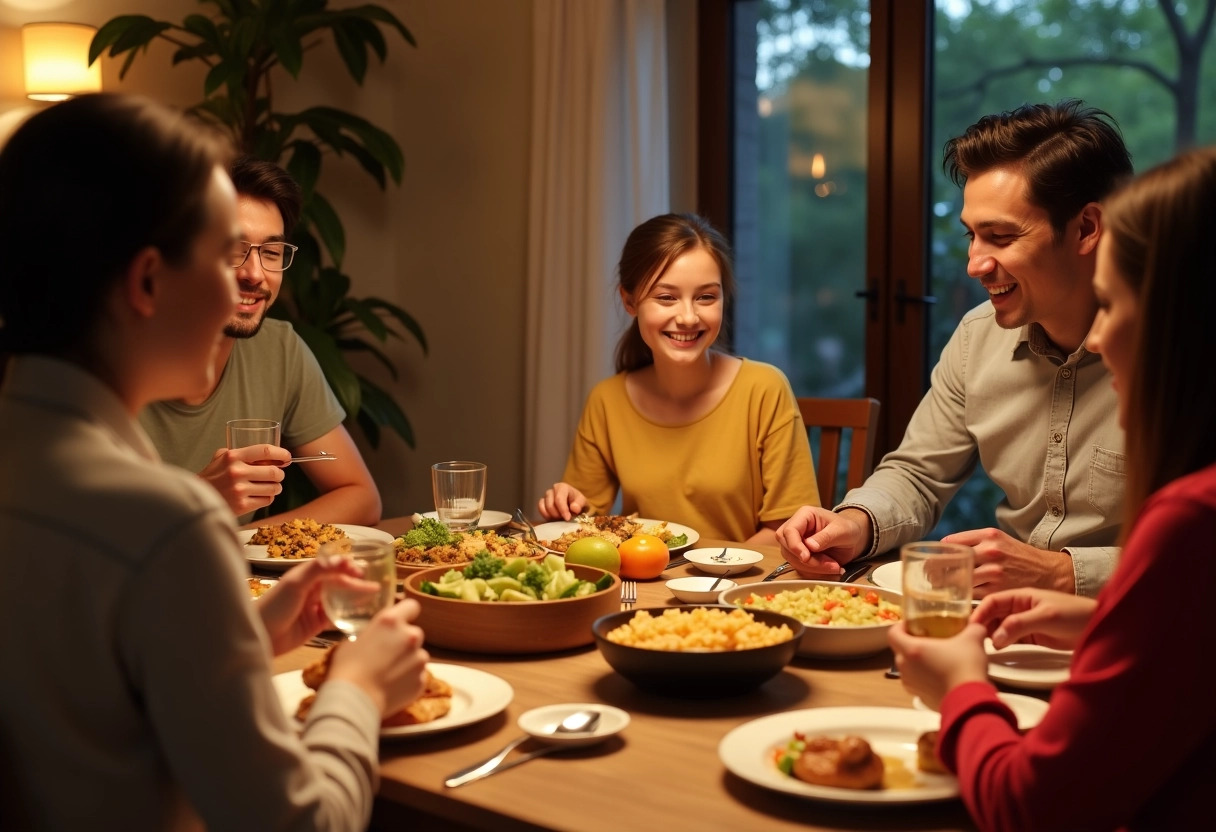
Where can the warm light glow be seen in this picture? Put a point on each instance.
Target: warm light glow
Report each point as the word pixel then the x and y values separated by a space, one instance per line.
pixel 818 168
pixel 56 61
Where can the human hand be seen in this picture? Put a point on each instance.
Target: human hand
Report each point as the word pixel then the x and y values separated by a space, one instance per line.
pixel 387 660
pixel 818 542
pixel 291 610
pixel 1002 562
pixel 1039 616
pixel 932 667
pixel 247 478
pixel 561 502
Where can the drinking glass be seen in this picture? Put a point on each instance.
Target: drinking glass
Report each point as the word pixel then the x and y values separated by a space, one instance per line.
pixel 460 492
pixel 352 602
pixel 936 587
pixel 241 433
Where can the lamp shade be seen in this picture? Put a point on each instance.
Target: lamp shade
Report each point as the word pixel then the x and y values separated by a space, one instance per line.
pixel 57 61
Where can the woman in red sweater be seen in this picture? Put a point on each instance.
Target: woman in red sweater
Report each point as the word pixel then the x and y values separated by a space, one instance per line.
pixel 1129 741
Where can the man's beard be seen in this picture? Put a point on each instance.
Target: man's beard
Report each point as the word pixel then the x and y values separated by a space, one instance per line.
pixel 244 327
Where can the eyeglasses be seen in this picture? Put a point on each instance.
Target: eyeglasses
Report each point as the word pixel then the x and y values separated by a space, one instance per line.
pixel 274 257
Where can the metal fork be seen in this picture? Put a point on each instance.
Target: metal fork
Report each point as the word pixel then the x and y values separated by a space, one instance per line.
pixel 527 527
pixel 629 594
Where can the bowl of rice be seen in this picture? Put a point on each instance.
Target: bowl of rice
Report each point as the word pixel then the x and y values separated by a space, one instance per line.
pixel 697 652
pixel 842 621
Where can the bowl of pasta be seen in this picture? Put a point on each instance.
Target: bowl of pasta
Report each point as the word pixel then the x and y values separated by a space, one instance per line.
pixel 842 621
pixel 697 652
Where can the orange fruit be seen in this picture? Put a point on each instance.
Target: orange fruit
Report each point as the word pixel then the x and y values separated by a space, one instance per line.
pixel 643 556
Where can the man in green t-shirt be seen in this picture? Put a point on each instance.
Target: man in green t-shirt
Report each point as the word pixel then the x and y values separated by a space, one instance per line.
pixel 263 370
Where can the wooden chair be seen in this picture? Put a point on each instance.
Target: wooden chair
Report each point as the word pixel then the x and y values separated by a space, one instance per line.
pixel 833 417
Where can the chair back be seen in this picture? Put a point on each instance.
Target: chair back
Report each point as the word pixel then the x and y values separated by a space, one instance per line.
pixel 833 417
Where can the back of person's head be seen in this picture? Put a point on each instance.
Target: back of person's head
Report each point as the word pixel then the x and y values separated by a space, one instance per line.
pixel 85 186
pixel 1070 155
pixel 267 181
pixel 649 250
pixel 1162 241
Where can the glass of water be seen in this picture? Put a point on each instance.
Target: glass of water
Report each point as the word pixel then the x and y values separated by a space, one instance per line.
pixel 351 602
pixel 242 433
pixel 460 493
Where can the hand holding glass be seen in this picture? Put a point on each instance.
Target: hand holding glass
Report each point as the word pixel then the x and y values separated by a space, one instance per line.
pixel 242 433
pixel 460 492
pixel 936 588
pixel 351 602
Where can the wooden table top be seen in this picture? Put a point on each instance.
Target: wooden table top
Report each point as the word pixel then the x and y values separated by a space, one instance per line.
pixel 662 772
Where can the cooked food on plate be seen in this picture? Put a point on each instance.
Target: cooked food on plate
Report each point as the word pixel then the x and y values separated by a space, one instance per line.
pixel 926 760
pixel 845 763
pixel 431 543
pixel 845 605
pixel 614 528
pixel 299 538
pixel 435 701
pixel 259 587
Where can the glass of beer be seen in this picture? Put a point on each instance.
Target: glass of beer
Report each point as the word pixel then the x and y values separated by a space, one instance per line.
pixel 352 602
pixel 242 433
pixel 936 587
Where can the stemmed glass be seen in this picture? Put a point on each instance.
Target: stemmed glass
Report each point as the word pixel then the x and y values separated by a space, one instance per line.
pixel 352 602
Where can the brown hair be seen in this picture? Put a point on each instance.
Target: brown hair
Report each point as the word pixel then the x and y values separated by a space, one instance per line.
pixel 85 186
pixel 1070 154
pixel 267 181
pixel 650 249
pixel 1162 231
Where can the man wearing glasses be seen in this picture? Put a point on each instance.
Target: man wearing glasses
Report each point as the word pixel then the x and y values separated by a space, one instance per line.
pixel 264 370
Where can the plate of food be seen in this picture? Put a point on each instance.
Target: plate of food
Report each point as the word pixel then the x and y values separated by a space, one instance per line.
pixel 1028 710
pixel 557 536
pixel 487 520
pixel 283 545
pixel 852 755
pixel 260 586
pixel 430 543
pixel 1027 666
pixel 455 696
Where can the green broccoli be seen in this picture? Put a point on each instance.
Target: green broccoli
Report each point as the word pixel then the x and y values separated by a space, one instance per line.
pixel 535 576
pixel 427 532
pixel 484 565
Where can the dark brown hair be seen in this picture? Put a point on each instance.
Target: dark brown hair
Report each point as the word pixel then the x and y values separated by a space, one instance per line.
pixel 84 187
pixel 266 180
pixel 1070 154
pixel 1162 240
pixel 650 249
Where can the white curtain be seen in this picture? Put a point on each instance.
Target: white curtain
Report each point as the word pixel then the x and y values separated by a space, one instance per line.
pixel 599 167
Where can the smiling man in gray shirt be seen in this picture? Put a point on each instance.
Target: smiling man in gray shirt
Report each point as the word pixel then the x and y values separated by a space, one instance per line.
pixel 1015 389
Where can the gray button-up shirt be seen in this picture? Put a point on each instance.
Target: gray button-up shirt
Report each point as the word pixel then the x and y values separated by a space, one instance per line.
pixel 1045 426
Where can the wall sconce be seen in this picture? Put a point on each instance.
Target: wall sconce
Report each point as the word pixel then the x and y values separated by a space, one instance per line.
pixel 56 61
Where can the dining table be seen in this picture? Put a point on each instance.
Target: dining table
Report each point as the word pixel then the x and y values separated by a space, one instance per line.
pixel 663 772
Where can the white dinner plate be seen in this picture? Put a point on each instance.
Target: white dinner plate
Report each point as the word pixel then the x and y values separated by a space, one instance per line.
pixel 476 695
pixel 557 528
pixel 487 520
pixel 888 576
pixel 256 555
pixel 1028 710
pixel 1027 665
pixel 747 751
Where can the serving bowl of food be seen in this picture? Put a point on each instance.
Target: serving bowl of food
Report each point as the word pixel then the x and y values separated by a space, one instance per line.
pixel 512 606
pixel 842 621
pixel 697 652
pixel 430 544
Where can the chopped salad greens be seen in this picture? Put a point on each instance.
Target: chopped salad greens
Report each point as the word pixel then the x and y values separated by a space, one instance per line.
pixel 490 578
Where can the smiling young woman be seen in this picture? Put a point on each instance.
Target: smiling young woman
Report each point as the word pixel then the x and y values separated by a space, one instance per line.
pixel 684 431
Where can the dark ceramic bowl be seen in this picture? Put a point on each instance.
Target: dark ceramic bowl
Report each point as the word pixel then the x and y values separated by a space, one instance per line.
pixel 699 674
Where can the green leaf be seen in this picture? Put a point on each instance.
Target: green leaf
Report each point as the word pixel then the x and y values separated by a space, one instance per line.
pixel 288 49
pixel 132 29
pixel 366 315
pixel 342 379
pixel 323 218
pixel 331 287
pixel 304 166
pixel 380 144
pixel 352 49
pixel 204 28
pixel 359 345
pixel 382 15
pixel 405 319
pixel 384 410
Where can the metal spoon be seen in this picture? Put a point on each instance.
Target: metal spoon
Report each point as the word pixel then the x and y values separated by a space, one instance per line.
pixel 579 722
pixel 321 457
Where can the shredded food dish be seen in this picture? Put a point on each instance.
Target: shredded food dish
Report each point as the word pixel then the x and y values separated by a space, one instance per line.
pixel 615 528
pixel 700 629
pixel 464 549
pixel 299 538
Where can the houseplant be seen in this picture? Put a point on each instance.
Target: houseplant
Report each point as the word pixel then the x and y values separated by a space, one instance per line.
pixel 247 45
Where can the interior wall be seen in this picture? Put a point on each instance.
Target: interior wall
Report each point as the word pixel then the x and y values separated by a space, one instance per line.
pixel 450 244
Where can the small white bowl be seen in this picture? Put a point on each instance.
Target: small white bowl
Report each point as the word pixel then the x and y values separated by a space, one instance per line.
pixel 715 562
pixel 540 722
pixel 696 589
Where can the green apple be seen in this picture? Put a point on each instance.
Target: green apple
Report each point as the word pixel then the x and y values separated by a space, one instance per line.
pixel 594 551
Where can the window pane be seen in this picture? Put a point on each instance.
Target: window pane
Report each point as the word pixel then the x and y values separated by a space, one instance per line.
pixel 800 189
pixel 992 55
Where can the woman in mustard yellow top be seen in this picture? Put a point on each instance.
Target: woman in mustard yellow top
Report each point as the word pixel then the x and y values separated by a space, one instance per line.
pixel 687 434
